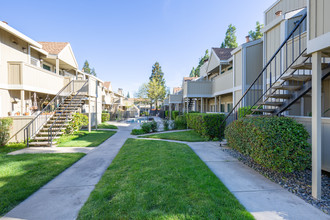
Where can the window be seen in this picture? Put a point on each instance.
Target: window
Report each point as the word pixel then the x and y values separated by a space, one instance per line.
pixel 229 107
pixel 222 108
pixel 46 67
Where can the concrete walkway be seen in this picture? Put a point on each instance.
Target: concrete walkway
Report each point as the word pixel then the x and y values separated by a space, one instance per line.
pixel 264 199
pixel 63 197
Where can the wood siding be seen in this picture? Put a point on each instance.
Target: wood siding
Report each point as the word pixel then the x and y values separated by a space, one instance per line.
pixel 319 18
pixel 284 6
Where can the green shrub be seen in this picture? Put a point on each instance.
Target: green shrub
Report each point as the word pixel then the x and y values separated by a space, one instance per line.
pixel 78 120
pixel 174 114
pixel 180 122
pixel 208 125
pixel 5 124
pixel 244 111
pixel 166 125
pixel 166 114
pixel 105 117
pixel 146 127
pixel 278 143
pixel 137 132
pixel 154 126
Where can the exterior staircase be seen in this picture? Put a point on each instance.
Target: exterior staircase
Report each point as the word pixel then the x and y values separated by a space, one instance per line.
pixel 57 123
pixel 288 75
pixel 50 123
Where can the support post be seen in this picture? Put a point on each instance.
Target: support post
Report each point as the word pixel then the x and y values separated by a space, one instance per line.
pixel 215 104
pixel 316 125
pixel 89 115
pixel 202 107
pixel 96 114
pixel 57 66
pixel 22 101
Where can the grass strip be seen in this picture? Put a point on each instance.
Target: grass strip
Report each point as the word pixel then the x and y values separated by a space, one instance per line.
pixel 85 138
pixel 189 136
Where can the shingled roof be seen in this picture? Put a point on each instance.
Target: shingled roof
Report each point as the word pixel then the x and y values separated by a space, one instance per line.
pixel 223 53
pixel 53 47
pixel 107 84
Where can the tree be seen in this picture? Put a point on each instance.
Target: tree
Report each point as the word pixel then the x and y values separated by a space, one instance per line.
pixel 157 73
pixel 254 35
pixel 156 91
pixel 127 95
pixel 156 87
pixel 86 69
pixel 196 72
pixel 192 72
pixel 142 93
pixel 230 38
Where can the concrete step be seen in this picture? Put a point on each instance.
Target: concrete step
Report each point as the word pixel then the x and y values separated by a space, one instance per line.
pixel 287 87
pixel 323 54
pixel 41 144
pixel 279 96
pixel 307 66
pixel 299 78
pixel 55 125
pixel 43 138
pixel 263 110
pixel 271 103
pixel 46 133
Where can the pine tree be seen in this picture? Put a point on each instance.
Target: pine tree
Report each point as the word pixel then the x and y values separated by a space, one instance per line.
pixel 93 72
pixel 192 72
pixel 86 67
pixel 254 35
pixel 127 95
pixel 230 38
pixel 156 87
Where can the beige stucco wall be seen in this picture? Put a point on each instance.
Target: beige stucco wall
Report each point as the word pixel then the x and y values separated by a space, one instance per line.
pixel 319 18
pixel 284 6
pixel 222 82
pixel 254 62
pixel 238 96
pixel 5 104
pixel 238 68
pixel 213 61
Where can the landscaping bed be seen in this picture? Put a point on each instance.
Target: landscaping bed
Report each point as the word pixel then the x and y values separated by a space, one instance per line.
pixel 190 136
pixel 22 175
pixel 297 182
pixel 105 125
pixel 85 138
pixel 160 180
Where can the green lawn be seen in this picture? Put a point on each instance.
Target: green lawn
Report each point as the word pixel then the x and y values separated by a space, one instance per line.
pixel 22 175
pixel 105 125
pixel 160 180
pixel 190 136
pixel 85 139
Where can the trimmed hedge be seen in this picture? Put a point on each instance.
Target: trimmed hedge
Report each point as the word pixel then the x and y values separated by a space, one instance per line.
pixel 174 114
pixel 5 124
pixel 208 125
pixel 105 117
pixel 244 111
pixel 180 122
pixel 278 143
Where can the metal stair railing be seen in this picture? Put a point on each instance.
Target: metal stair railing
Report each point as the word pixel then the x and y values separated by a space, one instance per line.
pixel 51 134
pixel 277 66
pixel 36 124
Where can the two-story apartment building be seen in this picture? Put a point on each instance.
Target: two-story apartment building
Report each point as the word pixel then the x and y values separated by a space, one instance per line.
pixel 35 75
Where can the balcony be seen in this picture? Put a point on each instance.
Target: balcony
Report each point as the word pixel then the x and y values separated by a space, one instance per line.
pixel 23 76
pixel 195 89
pixel 223 83
pixel 175 99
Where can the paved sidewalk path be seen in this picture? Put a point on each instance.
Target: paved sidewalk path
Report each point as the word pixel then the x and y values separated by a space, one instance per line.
pixel 63 197
pixel 264 199
pixel 55 150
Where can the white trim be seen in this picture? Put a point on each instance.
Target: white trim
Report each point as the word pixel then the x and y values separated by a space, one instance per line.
pixel 231 90
pixel 18 34
pixel 318 43
pixel 272 6
pixel 275 22
pixel 39 50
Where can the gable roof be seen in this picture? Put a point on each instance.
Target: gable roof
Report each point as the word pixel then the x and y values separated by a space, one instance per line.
pixel 223 53
pixel 107 85
pixel 53 47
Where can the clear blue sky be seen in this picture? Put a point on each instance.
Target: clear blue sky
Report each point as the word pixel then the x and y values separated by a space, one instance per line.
pixel 122 39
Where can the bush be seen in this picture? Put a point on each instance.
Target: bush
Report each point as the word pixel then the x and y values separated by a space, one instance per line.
pixel 137 132
pixel 153 126
pixel 105 117
pixel 244 111
pixel 5 124
pixel 278 143
pixel 78 120
pixel 208 125
pixel 180 122
pixel 146 127
pixel 166 125
pixel 166 114
pixel 174 114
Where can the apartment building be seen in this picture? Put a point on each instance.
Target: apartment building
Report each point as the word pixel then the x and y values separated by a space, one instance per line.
pixel 38 78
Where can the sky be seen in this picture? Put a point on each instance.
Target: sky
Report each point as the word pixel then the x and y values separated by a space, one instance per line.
pixel 123 39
